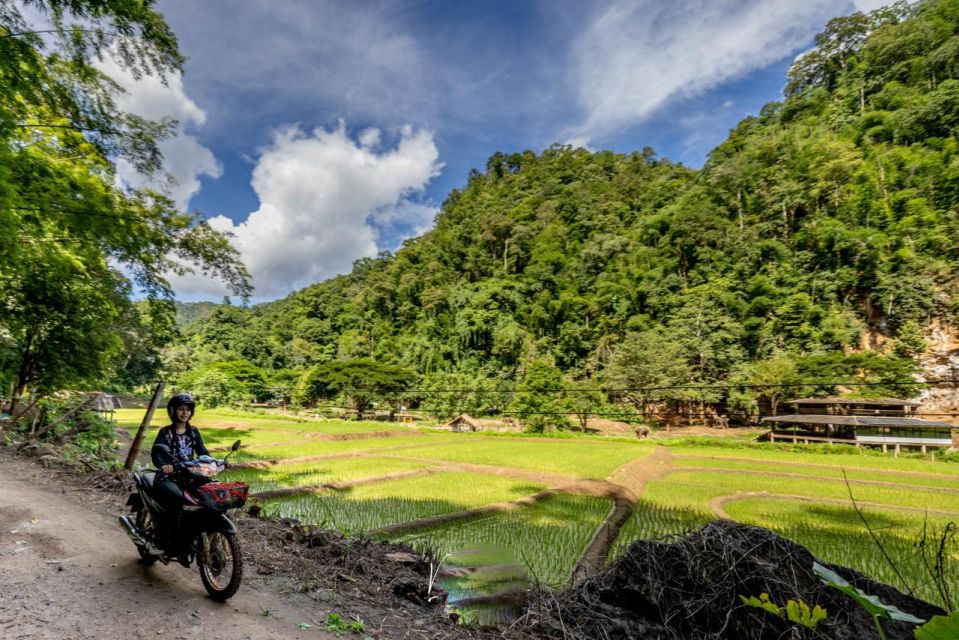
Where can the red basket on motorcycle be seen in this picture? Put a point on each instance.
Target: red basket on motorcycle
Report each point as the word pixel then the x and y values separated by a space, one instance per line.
pixel 221 496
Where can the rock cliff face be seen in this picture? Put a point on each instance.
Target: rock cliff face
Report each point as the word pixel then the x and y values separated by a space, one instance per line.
pixel 940 361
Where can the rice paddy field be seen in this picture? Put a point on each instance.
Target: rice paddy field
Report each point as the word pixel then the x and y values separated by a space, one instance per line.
pixel 475 498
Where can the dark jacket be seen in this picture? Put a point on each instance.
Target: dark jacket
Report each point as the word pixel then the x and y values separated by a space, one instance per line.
pixel 167 435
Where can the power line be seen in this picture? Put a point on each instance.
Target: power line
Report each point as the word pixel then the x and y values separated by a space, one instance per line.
pixel 689 387
pixel 597 413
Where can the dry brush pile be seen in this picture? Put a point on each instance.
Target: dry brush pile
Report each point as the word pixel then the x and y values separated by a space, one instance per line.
pixel 690 588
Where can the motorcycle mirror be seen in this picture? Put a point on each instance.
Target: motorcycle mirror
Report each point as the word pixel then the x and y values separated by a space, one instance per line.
pixel 236 445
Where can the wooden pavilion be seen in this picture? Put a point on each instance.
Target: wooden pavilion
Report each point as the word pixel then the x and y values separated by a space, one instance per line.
pixel 105 404
pixel 884 423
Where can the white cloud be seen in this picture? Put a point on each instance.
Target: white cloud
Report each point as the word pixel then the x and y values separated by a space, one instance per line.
pixel 185 159
pixel 580 141
pixel 415 216
pixel 259 57
pixel 636 57
pixel 870 5
pixel 370 137
pixel 321 195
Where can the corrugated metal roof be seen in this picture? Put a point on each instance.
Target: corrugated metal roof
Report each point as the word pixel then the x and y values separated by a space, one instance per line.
pixel 861 421
pixel 859 401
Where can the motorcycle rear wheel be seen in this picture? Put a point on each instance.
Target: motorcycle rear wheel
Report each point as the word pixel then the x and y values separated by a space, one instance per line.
pixel 220 563
pixel 145 525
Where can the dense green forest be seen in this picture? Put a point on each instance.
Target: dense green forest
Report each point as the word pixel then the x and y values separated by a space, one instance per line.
pixel 816 243
pixel 821 225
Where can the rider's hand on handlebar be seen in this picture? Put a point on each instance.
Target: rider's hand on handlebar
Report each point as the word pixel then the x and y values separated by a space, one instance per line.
pixel 167 468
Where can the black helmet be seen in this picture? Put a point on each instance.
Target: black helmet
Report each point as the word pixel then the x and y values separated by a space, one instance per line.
pixel 177 401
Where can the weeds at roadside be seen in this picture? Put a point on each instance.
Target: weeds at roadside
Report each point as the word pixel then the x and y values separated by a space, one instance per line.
pixel 335 623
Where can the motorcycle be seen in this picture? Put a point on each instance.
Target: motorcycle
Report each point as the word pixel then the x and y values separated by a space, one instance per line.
pixel 204 533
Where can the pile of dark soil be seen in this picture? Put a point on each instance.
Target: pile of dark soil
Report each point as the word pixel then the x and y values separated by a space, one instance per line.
pixel 690 589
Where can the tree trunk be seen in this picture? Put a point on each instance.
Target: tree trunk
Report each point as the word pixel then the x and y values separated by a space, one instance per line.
pixel 882 185
pixel 38 419
pixel 15 418
pixel 36 436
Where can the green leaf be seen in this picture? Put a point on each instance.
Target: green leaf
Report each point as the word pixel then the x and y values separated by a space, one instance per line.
pixel 304 625
pixel 800 613
pixel 335 623
pixel 871 604
pixel 940 628
pixel 763 602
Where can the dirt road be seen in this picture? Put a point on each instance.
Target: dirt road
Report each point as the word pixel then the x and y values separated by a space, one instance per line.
pixel 68 571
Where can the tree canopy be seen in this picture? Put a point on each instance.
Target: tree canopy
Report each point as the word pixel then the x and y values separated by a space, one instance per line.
pixel 75 246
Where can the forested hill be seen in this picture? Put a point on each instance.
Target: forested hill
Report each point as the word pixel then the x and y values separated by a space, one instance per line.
pixel 829 217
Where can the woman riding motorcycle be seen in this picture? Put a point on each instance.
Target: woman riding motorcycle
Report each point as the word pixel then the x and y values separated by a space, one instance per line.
pixel 182 442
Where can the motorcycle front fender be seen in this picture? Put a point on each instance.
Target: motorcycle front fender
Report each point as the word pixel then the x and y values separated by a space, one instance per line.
pixel 211 521
pixel 219 522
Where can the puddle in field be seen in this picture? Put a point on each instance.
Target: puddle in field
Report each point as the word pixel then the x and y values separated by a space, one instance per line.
pixel 484 585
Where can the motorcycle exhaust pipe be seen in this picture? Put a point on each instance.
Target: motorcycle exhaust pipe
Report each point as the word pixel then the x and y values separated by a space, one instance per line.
pixel 132 531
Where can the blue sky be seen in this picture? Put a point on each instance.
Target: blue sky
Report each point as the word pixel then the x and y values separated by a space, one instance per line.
pixel 321 132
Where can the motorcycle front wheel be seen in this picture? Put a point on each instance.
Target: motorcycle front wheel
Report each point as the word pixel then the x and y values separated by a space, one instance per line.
pixel 221 564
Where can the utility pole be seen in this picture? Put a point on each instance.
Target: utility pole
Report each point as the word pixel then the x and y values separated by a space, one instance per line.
pixel 138 440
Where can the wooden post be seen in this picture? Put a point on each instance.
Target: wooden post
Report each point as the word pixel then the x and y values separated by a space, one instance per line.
pixel 885 448
pixel 138 440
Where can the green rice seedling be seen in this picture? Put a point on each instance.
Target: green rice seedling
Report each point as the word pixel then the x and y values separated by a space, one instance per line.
pixel 287 476
pixel 208 418
pixel 223 438
pixel 837 535
pixel 378 505
pixel 547 538
pixel 825 469
pixel 572 457
pixel 849 458
pixel 133 417
pixel 719 484
pixel 656 521
pixel 342 427
pixel 314 447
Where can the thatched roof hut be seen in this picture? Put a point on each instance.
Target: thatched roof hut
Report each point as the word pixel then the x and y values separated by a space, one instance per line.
pixel 463 422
